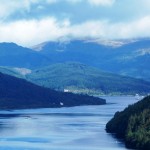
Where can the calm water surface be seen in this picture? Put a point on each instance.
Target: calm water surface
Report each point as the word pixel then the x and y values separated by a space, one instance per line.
pixel 76 128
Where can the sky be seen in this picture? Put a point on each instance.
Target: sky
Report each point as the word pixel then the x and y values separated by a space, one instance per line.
pixel 30 22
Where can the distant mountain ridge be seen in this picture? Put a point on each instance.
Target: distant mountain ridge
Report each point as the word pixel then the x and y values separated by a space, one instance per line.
pixel 125 57
pixel 13 55
pixel 131 58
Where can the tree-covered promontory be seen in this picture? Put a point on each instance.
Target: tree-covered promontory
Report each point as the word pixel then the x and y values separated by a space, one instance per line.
pixel 133 125
pixel 18 93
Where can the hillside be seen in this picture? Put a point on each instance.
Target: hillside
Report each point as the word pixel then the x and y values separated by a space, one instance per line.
pixel 78 77
pixel 125 57
pixel 14 55
pixel 17 93
pixel 16 72
pixel 133 125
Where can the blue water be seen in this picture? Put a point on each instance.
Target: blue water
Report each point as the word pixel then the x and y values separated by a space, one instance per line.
pixel 75 128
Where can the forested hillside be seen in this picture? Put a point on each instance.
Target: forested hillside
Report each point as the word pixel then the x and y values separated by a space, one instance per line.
pixel 17 93
pixel 78 77
pixel 133 125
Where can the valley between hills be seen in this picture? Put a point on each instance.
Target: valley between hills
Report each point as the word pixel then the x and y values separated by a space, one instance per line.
pixel 82 66
pixel 67 74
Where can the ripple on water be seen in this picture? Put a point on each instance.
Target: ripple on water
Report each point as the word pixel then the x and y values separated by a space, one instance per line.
pixel 76 128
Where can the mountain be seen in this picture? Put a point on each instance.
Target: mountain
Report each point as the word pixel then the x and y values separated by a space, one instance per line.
pixel 133 125
pixel 77 77
pixel 125 57
pixel 17 56
pixel 16 93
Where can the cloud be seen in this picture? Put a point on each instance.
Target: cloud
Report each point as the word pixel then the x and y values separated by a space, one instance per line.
pixel 101 2
pixel 28 32
pixel 92 2
pixel 9 7
pixel 51 1
pixel 107 30
pixel 137 28
pixel 31 32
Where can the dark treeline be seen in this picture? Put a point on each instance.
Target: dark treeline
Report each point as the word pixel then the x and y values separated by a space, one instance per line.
pixel 133 125
pixel 17 93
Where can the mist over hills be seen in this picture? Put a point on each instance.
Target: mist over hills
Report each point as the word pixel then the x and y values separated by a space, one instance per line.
pixel 46 64
pixel 127 57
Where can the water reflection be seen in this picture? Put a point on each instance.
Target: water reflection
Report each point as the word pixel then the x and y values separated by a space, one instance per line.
pixel 76 128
